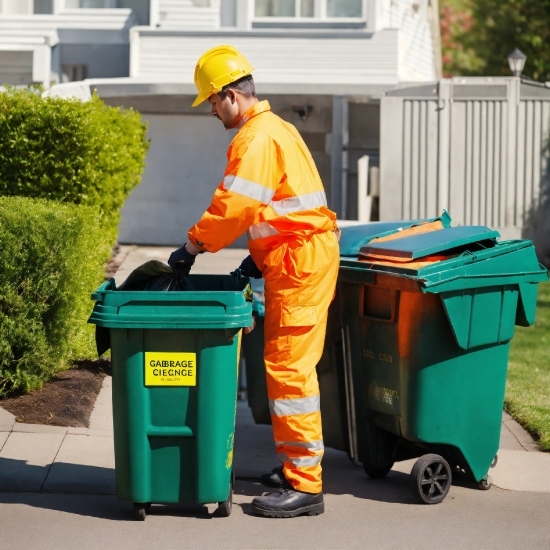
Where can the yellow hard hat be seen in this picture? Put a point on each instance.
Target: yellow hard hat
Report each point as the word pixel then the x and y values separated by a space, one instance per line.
pixel 217 68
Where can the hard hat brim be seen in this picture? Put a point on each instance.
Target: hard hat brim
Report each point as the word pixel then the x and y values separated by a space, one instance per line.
pixel 201 98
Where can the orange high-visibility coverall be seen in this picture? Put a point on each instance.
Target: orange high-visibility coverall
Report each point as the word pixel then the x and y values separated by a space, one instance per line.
pixel 272 190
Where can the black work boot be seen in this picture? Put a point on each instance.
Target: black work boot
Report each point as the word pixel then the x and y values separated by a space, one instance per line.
pixel 275 478
pixel 286 502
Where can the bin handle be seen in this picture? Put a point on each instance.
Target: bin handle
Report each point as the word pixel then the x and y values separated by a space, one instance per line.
pixel 98 294
pixel 480 276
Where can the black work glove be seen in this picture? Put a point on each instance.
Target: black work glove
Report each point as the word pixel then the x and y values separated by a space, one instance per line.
pixel 248 269
pixel 181 261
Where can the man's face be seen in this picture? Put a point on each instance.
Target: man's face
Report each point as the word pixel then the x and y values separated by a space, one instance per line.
pixel 226 110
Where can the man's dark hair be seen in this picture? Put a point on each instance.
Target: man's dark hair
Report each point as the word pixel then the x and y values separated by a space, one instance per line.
pixel 244 86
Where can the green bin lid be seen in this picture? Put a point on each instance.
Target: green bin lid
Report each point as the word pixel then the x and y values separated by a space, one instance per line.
pixel 507 262
pixel 353 238
pixel 435 242
pixel 218 302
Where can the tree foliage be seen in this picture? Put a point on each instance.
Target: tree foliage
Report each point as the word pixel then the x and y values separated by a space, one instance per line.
pixel 478 35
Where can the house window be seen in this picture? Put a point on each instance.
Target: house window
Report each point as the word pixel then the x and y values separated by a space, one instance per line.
pixel 86 4
pixel 309 8
pixel 344 8
pixel 43 7
pixel 276 8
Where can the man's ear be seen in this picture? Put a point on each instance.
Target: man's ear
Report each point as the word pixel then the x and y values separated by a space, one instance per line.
pixel 232 95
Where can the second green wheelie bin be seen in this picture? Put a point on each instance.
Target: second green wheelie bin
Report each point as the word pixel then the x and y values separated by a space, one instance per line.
pixel 334 432
pixel 427 322
pixel 336 427
pixel 175 365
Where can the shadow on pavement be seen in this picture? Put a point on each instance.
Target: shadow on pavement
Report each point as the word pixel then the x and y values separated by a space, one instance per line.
pixel 107 507
pixel 95 506
pixel 76 489
pixel 60 477
pixel 395 488
pixel 341 477
pixel 255 455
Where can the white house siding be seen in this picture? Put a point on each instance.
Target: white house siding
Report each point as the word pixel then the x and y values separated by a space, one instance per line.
pixel 95 38
pixel 27 56
pixel 416 53
pixel 278 56
pixel 16 67
pixel 186 14
pixel 101 19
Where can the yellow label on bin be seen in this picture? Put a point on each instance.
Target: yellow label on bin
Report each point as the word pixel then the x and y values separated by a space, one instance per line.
pixel 163 368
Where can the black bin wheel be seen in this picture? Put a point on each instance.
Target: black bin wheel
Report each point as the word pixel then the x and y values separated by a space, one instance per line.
pixel 224 508
pixel 377 473
pixel 485 484
pixel 141 510
pixel 431 479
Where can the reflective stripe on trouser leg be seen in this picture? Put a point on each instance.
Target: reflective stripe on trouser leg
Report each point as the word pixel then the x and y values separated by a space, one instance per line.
pixel 298 456
pixel 291 355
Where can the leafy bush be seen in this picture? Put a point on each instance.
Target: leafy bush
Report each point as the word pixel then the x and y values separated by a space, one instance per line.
pixel 52 259
pixel 70 151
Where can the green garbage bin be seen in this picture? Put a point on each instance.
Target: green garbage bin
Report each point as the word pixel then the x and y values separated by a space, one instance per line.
pixel 330 372
pixel 175 365
pixel 427 324
pixel 253 353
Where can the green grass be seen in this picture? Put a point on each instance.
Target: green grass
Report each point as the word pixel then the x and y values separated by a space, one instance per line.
pixel 528 384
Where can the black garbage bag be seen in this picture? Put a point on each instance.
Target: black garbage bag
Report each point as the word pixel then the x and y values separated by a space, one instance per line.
pixel 155 275
pixel 152 275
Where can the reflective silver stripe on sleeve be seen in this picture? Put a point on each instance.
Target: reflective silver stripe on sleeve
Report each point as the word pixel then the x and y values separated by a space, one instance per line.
pixel 300 203
pixel 300 460
pixel 300 405
pixel 260 231
pixel 315 445
pixel 249 189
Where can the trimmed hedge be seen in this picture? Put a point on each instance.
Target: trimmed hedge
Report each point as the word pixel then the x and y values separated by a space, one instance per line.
pixel 70 151
pixel 52 259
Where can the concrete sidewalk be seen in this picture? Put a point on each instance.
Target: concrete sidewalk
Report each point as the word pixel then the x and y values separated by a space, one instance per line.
pixel 61 480
pixel 79 460
pixel 221 263
pixel 57 491
pixel 52 459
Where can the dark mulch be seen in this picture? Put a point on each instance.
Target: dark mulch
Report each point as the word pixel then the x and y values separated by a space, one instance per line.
pixel 67 400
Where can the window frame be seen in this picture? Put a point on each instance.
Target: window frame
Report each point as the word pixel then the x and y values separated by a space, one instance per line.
pixel 6 7
pixel 319 14
pixel 107 4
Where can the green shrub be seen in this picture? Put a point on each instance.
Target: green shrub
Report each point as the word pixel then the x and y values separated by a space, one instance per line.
pixel 70 151
pixel 52 259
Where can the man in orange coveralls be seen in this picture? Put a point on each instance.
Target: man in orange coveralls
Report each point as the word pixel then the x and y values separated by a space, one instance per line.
pixel 271 189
